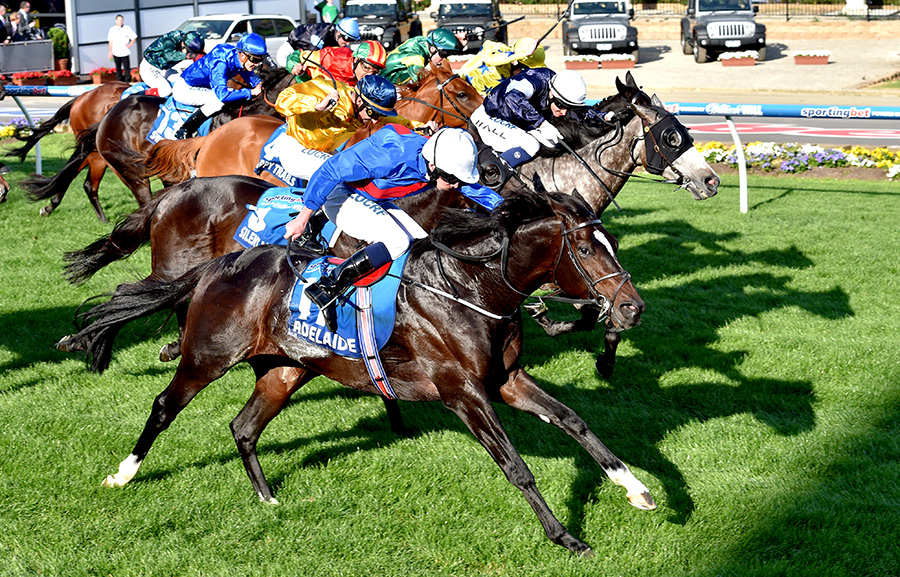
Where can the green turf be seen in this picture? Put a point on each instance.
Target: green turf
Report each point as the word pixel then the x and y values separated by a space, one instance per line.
pixel 758 400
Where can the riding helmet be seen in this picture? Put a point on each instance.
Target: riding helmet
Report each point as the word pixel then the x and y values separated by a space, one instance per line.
pixel 568 87
pixel 193 42
pixel 442 39
pixel 349 27
pixel 379 93
pixel 371 52
pixel 252 44
pixel 452 150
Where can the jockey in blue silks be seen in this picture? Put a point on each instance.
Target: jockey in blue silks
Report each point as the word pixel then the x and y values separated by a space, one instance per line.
pixel 514 117
pixel 355 189
pixel 205 83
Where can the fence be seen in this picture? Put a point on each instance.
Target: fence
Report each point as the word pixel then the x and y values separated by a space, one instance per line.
pixel 873 9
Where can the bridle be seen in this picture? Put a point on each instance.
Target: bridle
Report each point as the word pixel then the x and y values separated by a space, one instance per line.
pixel 442 91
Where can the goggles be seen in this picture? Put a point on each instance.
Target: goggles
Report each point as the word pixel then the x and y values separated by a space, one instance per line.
pixel 368 67
pixel 445 176
pixel 254 59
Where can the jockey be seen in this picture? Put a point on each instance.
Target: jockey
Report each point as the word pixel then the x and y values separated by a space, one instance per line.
pixel 205 82
pixel 318 36
pixel 345 65
pixel 355 188
pixel 497 61
pixel 164 53
pixel 321 118
pixel 514 117
pixel 405 62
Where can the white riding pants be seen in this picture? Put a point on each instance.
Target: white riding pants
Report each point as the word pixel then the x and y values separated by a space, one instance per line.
pixel 157 78
pixel 372 221
pixel 503 136
pixel 299 161
pixel 200 96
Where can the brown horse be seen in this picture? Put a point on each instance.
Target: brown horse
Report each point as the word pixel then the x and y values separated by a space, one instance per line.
pixel 463 352
pixel 236 148
pixel 81 112
pixel 120 137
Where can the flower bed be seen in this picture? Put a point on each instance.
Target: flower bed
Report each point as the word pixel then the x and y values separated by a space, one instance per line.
pixel 61 78
pixel 815 57
pixel 796 158
pixel 17 126
pixel 744 58
pixel 34 78
pixel 617 61
pixel 581 62
pixel 101 75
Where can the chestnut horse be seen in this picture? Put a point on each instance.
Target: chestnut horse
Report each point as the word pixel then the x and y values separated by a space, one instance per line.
pixel 120 137
pixel 464 352
pixel 236 148
pixel 82 112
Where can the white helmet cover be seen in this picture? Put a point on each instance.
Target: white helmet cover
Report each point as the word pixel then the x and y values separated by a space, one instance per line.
pixel 452 150
pixel 568 87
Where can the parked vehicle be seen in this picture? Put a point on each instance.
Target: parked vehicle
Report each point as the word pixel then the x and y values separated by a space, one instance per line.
pixel 480 20
pixel 711 27
pixel 600 27
pixel 389 22
pixel 218 28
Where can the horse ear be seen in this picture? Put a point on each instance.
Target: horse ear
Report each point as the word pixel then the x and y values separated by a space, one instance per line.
pixel 629 80
pixel 538 183
pixel 655 101
pixel 577 195
pixel 629 90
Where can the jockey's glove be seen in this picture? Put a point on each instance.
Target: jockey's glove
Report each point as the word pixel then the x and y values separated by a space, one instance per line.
pixel 547 134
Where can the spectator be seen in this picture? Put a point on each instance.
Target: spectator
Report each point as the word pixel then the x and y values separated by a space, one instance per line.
pixel 21 32
pixel 6 30
pixel 24 12
pixel 121 38
pixel 329 12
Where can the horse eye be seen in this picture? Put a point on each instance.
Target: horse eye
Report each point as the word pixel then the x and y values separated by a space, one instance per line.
pixel 584 250
pixel 462 96
pixel 672 138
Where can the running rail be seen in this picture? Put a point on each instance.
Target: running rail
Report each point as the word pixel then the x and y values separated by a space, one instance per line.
pixel 729 111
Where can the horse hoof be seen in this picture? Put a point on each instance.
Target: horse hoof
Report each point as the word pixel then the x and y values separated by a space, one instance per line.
pixel 642 501
pixel 46 211
pixel 63 344
pixel 604 368
pixel 166 354
pixel 116 480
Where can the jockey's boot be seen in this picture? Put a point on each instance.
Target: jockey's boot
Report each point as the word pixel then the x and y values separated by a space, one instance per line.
pixel 190 126
pixel 326 290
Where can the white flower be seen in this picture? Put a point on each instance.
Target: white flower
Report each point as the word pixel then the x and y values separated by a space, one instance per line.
pixel 745 54
pixel 811 53
pixel 608 57
pixel 581 58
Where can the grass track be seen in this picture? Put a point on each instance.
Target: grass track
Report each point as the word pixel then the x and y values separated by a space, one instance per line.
pixel 758 400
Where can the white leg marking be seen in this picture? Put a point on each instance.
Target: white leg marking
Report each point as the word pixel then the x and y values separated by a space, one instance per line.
pixel 127 470
pixel 638 494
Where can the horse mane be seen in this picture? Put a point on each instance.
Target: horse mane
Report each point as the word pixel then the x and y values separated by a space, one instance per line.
pixel 458 226
pixel 585 125
pixel 271 75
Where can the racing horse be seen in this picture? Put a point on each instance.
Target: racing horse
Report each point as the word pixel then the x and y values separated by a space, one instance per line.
pixel 463 352
pixel 120 137
pixel 82 112
pixel 236 149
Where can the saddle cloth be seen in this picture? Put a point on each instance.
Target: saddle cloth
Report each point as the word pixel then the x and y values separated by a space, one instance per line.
pixel 265 222
pixel 170 118
pixel 306 322
pixel 270 161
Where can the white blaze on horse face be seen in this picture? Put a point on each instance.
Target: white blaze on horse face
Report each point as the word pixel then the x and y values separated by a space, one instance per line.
pixel 601 238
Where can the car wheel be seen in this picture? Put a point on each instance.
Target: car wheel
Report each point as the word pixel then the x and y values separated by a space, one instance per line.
pixel 686 47
pixel 636 55
pixel 567 51
pixel 762 54
pixel 700 54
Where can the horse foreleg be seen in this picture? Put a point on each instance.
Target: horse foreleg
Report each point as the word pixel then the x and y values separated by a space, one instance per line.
pixel 606 361
pixel 478 414
pixel 523 393
pixel 272 392
pixel 96 168
pixel 394 417
pixel 188 381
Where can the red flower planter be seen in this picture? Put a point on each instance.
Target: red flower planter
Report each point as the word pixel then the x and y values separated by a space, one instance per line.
pixel 816 60
pixel 29 81
pixel 63 81
pixel 739 62
pixel 102 78
pixel 582 65
pixel 616 64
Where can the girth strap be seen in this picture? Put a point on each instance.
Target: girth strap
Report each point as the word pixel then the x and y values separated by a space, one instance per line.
pixel 365 328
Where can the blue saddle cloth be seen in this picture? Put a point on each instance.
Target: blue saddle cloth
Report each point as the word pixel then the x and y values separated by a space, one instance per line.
pixel 264 222
pixel 270 161
pixel 306 321
pixel 170 118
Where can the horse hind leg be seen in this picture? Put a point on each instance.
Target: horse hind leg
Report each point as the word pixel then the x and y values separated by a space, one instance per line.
pixel 187 382
pixel 273 389
pixel 96 169
pixel 171 351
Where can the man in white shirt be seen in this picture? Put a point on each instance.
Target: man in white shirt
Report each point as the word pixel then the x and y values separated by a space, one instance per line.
pixel 121 38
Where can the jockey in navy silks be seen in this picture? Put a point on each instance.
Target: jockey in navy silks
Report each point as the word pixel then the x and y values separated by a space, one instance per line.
pixel 205 83
pixel 355 188
pixel 514 117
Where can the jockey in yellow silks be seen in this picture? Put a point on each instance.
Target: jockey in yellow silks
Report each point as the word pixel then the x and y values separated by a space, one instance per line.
pixel 497 61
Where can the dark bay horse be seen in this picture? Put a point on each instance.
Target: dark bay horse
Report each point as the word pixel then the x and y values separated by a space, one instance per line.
pixel 441 349
pixel 82 112
pixel 120 137
pixel 236 148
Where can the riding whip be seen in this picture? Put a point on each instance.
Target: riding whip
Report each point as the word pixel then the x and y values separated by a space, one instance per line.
pixel 563 15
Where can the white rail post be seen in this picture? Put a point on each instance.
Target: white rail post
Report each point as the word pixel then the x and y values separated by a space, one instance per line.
pixel 742 164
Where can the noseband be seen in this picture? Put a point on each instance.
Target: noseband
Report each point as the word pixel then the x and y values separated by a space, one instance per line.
pixel 441 87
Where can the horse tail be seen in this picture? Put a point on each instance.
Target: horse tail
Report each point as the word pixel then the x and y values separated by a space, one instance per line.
pixel 45 128
pixel 130 301
pixel 130 233
pixel 39 187
pixel 173 160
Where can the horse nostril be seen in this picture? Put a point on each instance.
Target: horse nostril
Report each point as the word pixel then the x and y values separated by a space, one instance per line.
pixel 712 182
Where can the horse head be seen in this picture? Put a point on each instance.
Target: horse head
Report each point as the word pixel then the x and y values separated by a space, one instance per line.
pixel 668 149
pixel 441 96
